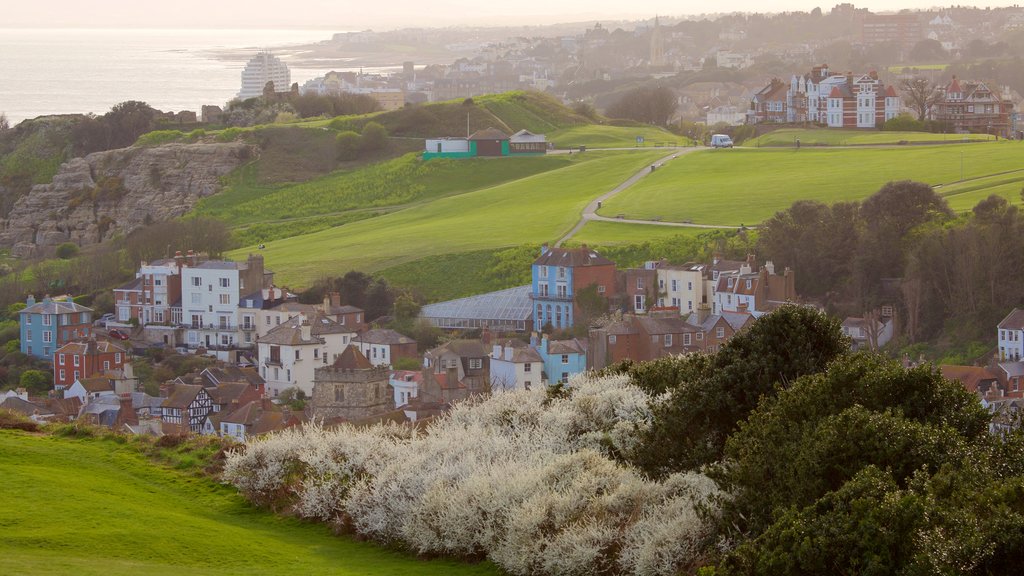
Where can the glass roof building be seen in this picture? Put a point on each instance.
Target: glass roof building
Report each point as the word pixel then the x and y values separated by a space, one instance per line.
pixel 508 310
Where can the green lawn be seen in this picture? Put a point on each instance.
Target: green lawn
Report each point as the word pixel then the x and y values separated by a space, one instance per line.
pixel 838 137
pixel 96 507
pixel 595 136
pixel 746 186
pixel 600 233
pixel 965 195
pixel 534 209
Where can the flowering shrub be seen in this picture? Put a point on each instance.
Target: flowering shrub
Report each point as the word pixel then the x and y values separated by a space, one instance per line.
pixel 527 481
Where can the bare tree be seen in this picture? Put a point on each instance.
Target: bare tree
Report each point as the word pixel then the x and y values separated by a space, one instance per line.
pixel 4 123
pixel 920 95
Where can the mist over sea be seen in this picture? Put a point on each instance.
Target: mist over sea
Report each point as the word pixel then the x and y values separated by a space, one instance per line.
pixel 66 71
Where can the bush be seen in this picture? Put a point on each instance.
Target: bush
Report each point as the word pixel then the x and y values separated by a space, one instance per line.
pixel 903 123
pixel 36 381
pixel 349 145
pixel 67 250
pixel 11 420
pixel 160 137
pixel 375 137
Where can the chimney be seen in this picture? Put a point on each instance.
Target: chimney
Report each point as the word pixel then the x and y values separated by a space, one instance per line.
pixel 191 260
pixel 46 298
pixel 335 299
pixel 166 389
pixel 30 300
pixel 751 261
pixel 485 336
pixel 716 258
pixel 703 311
pixel 509 351
pixel 770 267
pixel 307 331
pixel 544 248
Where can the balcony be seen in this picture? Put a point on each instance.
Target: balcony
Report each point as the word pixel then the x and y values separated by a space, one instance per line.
pixel 272 362
pixel 216 327
pixel 551 297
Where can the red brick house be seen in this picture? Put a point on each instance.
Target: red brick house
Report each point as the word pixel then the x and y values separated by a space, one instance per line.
pixel 84 359
pixel 971 106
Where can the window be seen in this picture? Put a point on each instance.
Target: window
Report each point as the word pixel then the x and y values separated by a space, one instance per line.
pixel 106 365
pixel 60 359
pixel 197 320
pixel 316 353
pixel 225 282
pixel 197 281
pixel 749 283
pixel 268 320
pixel 117 358
pixel 600 288
pixel 719 332
pixel 638 302
pixel 689 304
pixel 700 336
pixel 640 283
pixel 611 338
pixel 526 384
pixel 288 374
pixel 47 336
pixel 668 340
pixel 62 376
pixel 527 367
pixel 655 338
pixel 565 377
pixel 729 282
pixel 689 285
pixel 157 282
pixel 225 298
pixel 686 339
pixel 47 319
pixel 297 356
pixel 197 298
pixel 277 374
pixel 661 283
pixel 561 273
pixel 77 374
pixel 543 271
pixel 543 289
pixel 565 358
pixel 474 363
pixel 562 290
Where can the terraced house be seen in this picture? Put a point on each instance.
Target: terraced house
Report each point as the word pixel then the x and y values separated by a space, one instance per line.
pixel 559 274
pixel 50 324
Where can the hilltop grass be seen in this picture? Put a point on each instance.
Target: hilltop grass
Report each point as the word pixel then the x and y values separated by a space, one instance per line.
pixel 595 136
pixel 403 180
pixel 833 137
pixel 96 507
pixel 533 209
pixel 746 186
pixel 963 196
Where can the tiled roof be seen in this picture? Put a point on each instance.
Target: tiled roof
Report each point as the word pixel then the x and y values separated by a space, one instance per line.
pixel 290 334
pixel 384 336
pixel 96 384
pixel 1013 321
pixel 228 373
pixel 574 346
pixel 23 407
pixel 228 392
pixel 55 307
pixel 183 396
pixel 135 284
pixel 90 347
pixel 489 134
pixel 352 359
pixel 969 376
pixel 460 348
pixel 572 257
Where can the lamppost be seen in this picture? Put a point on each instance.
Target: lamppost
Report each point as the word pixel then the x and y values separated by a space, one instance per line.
pixel 961 166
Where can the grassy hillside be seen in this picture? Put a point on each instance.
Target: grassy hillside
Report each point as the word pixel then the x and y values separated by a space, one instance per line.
pixel 595 136
pixel 533 209
pixel 606 233
pixel 510 112
pixel 96 507
pixel 745 186
pixel 833 137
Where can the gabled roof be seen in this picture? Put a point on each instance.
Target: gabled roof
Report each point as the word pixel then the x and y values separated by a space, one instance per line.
pixel 352 359
pixel 291 306
pixel 970 376
pixel 90 347
pixel 574 346
pixel 96 384
pixel 217 375
pixel 290 333
pixel 890 92
pixel 1012 369
pixel 460 348
pixel 572 257
pixel 247 414
pixel 488 134
pixel 1013 321
pixel 527 136
pixel 228 392
pixel 672 325
pixel 384 336
pixel 954 86
pixel 131 285
pixel 183 396
pixel 23 407
pixel 55 307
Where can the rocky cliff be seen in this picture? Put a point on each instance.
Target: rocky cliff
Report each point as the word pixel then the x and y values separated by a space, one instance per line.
pixel 92 199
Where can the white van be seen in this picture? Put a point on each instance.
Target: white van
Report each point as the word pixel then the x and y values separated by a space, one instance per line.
pixel 721 141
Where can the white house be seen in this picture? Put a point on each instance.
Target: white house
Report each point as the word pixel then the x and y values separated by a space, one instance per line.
pixel 383 346
pixel 516 367
pixel 684 287
pixel 290 353
pixel 406 385
pixel 868 333
pixel 86 389
pixel 1011 336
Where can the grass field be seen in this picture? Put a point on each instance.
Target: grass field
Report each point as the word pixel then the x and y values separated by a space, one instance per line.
pixel 533 209
pixel 594 136
pixel 598 232
pixel 963 196
pixel 745 186
pixel 832 137
pixel 97 507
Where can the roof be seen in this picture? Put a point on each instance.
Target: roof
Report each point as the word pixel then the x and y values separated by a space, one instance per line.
pixel 291 306
pixel 511 304
pixel 55 307
pixel 527 136
pixel 674 325
pixel 384 336
pixel 90 347
pixel 229 373
pixel 228 392
pixel 352 359
pixel 220 265
pixel 245 414
pixel 461 348
pixel 96 384
pixel 345 309
pixel 574 346
pixel 1013 321
pixel 135 285
pixel 23 407
pixel 1012 369
pixel 407 376
pixel 737 320
pixel 969 376
pixel 182 396
pixel 290 333
pixel 488 134
pixel 571 258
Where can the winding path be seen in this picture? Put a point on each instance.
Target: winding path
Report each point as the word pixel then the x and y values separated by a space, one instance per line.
pixel 590 211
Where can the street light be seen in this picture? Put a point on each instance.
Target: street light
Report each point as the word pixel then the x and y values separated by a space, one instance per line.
pixel 961 166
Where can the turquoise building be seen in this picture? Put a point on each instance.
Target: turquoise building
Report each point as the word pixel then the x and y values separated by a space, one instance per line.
pixel 562 359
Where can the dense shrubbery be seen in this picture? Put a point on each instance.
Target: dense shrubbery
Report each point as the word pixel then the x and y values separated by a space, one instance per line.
pixel 535 489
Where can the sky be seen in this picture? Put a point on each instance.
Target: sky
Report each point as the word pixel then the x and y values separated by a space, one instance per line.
pixel 340 15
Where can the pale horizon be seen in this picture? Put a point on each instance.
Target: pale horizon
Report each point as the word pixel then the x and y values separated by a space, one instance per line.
pixel 332 15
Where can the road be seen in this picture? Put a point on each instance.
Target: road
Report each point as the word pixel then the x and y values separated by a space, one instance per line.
pixel 590 211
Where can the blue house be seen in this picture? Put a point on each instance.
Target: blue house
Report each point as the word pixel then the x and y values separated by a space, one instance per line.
pixel 50 324
pixel 558 274
pixel 563 359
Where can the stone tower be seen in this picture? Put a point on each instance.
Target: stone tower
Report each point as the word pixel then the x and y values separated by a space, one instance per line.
pixel 657 45
pixel 350 389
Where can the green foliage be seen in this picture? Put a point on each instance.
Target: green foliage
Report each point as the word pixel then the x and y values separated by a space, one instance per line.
pixel 11 420
pixel 652 105
pixel 36 381
pixel 349 145
pixel 160 137
pixel 903 123
pixel 690 429
pixel 375 137
pixel 67 250
pixel 407 364
pixel 230 134
pixel 262 232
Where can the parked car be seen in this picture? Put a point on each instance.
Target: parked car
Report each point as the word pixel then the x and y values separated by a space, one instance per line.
pixel 115 333
pixel 721 141
pixel 102 321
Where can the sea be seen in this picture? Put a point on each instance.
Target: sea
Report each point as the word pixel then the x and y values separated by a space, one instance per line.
pixel 68 71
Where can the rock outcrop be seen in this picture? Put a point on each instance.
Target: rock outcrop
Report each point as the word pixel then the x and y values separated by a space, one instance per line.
pixel 94 198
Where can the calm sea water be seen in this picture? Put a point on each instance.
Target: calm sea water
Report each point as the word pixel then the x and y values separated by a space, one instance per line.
pixel 71 71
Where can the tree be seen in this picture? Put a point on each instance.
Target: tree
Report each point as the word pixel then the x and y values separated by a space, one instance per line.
pixel 375 137
pixel 36 381
pixel 349 144
pixel 920 95
pixel 645 104
pixel 928 50
pixel 4 123
pixel 129 120
pixel 690 428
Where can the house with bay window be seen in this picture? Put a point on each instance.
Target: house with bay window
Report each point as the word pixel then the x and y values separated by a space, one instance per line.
pixel 46 326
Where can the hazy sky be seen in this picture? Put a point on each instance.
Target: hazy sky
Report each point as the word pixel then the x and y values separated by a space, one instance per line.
pixel 358 14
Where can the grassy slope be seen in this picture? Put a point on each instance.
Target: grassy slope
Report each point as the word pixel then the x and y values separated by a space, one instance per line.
pixel 594 136
pixel 97 507
pixel 745 186
pixel 605 233
pixel 533 209
pixel 832 137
